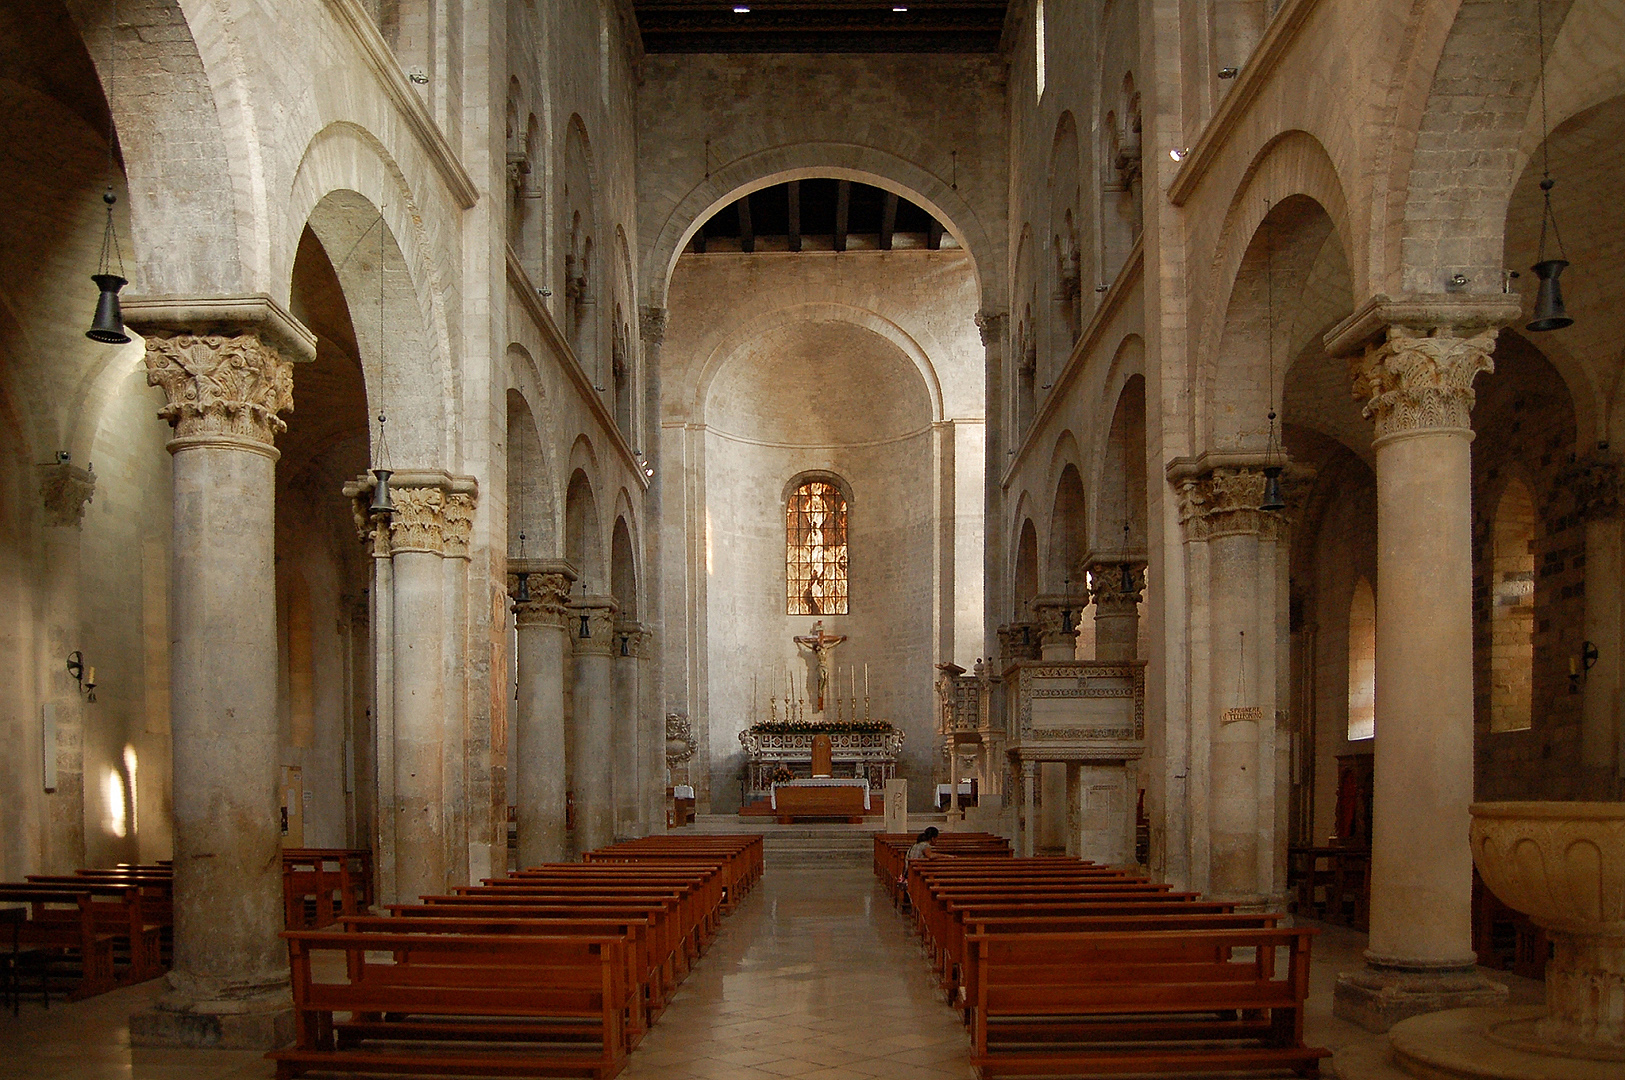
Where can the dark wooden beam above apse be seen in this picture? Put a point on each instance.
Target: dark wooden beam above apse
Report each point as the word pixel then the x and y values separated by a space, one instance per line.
pixel 843 212
pixel 888 220
pixel 876 26
pixel 794 188
pixel 747 236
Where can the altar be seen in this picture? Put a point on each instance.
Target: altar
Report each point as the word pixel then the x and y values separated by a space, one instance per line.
pixel 781 751
pixel 821 796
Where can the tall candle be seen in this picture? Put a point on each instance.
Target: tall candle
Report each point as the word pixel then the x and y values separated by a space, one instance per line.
pixel 866 678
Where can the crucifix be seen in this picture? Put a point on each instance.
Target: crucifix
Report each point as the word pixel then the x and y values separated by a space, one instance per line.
pixel 822 645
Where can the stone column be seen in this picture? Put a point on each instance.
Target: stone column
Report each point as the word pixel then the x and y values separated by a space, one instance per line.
pixel 1597 483
pixel 991 324
pixel 1117 610
pixel 593 731
pixel 65 489
pixel 457 528
pixel 1235 592
pixel 538 776
pixel 652 730
pixel 226 368
pixel 1029 807
pixel 1417 384
pixel 629 748
pixel 1057 627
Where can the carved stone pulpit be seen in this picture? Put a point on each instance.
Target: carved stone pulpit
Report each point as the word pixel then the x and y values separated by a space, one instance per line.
pixel 823 755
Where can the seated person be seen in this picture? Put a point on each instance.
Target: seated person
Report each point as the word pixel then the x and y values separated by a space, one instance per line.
pixel 922 845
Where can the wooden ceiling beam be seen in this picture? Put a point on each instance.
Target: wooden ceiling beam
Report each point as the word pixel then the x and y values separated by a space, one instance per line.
pixel 933 236
pixel 888 220
pixel 747 236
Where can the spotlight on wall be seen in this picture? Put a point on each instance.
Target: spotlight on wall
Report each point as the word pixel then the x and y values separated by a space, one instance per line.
pixel 1456 283
pixel 1180 154
pixel 1228 72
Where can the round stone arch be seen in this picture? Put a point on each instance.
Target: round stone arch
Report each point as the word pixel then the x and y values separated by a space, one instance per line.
pixel 583 522
pixel 1231 384
pixel 1066 536
pixel 803 161
pixel 1125 377
pixel 190 124
pixel 1444 217
pixel 395 317
pixel 532 505
pixel 726 349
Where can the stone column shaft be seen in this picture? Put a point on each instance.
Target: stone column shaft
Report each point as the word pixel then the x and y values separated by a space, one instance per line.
pixel 1418 388
pixel 593 730
pixel 1029 808
pixel 627 653
pixel 538 775
pixel 1117 610
pixel 225 366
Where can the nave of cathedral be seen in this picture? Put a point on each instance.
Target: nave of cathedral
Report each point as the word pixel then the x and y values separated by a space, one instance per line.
pixel 1171 437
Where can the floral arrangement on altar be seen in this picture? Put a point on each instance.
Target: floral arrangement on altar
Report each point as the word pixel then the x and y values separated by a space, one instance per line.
pixel 829 727
pixel 782 775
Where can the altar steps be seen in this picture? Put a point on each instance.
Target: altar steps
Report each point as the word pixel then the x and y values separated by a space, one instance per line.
pixel 802 844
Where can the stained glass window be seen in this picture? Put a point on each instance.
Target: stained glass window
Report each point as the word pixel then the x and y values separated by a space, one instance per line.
pixel 815 560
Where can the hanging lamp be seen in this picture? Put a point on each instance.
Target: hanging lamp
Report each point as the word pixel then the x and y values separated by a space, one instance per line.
pixel 1549 311
pixel 107 326
pixel 383 506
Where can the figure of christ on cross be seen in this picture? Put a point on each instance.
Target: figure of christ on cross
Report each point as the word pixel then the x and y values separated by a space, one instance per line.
pixel 822 645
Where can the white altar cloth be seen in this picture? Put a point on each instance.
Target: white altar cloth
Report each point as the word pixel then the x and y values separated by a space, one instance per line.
pixel 822 781
pixel 944 790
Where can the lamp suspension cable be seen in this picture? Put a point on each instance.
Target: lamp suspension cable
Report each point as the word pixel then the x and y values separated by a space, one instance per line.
pixel 383 505
pixel 1272 448
pixel 107 326
pixel 1549 312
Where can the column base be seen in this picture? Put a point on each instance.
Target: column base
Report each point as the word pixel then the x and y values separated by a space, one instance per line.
pixel 1378 997
pixel 263 1021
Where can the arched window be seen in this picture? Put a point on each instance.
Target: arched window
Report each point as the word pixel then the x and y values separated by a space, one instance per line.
pixel 815 549
pixel 1512 614
pixel 1362 662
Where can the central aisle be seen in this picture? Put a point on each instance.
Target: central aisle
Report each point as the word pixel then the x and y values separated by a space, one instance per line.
pixel 814 976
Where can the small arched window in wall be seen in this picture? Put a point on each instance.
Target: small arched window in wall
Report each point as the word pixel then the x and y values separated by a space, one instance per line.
pixel 1362 662
pixel 815 549
pixel 1512 611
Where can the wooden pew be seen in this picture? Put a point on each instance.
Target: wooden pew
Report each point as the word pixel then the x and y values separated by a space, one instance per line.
pixel 321 884
pixel 1141 1002
pixel 67 921
pixel 121 908
pixel 464 1004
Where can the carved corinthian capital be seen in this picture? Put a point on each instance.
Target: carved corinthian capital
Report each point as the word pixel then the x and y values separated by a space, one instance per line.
pixel 549 603
pixel 419 521
pixel 991 324
pixel 652 324
pixel 457 524
pixel 221 384
pixel 1416 380
pixel 599 612
pixel 1106 586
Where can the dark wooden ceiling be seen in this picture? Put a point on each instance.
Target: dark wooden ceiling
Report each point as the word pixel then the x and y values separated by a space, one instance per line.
pixel 858 26
pixel 819 214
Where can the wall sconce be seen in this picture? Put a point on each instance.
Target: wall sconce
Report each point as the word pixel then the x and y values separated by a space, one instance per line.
pixel 84 676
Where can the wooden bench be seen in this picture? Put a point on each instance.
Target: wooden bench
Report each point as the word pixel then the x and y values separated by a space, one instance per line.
pixel 66 921
pixel 461 1004
pixel 321 884
pixel 1153 1001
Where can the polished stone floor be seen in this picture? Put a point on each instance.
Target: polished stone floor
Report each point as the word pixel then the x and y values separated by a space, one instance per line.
pixel 814 976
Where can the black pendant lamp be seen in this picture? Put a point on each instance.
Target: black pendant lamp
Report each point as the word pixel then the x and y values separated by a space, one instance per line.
pixel 382 505
pixel 1549 312
pixel 108 325
pixel 522 593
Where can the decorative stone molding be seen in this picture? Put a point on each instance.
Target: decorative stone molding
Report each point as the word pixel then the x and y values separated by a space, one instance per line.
pixel 991 324
pixel 1597 483
pixel 1106 586
pixel 1419 381
pixel 600 615
pixel 652 324
pixel 65 489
